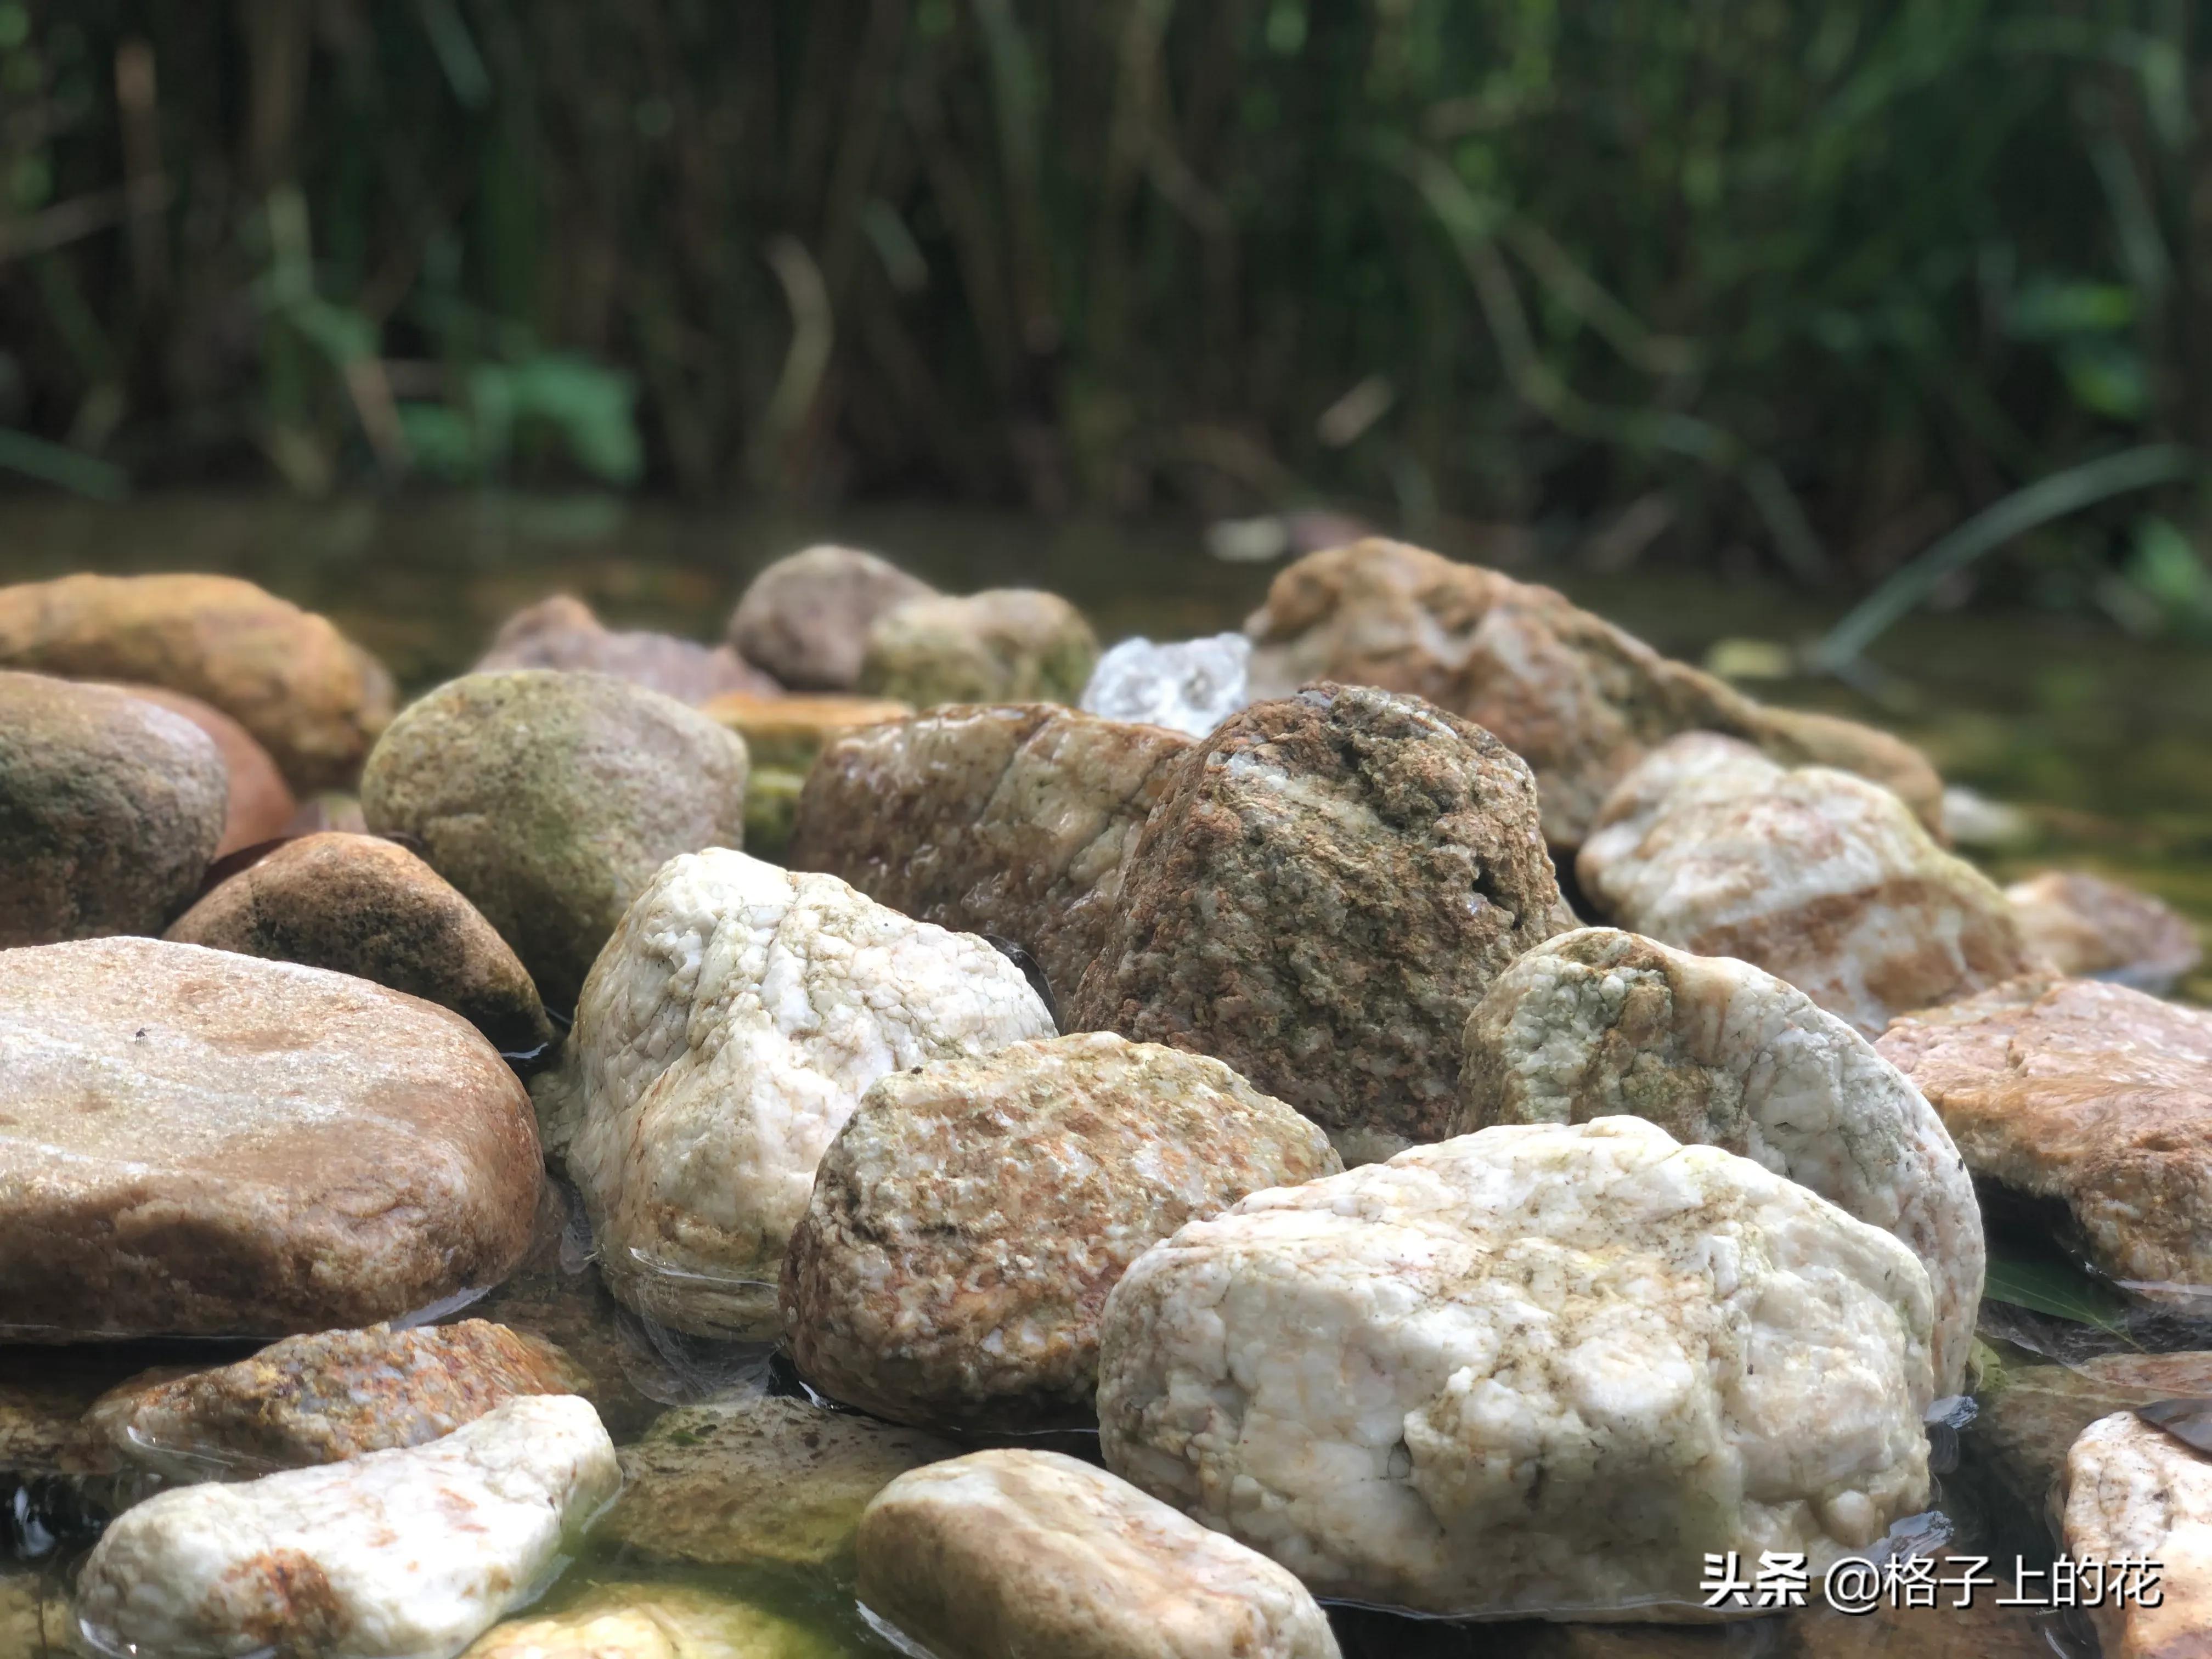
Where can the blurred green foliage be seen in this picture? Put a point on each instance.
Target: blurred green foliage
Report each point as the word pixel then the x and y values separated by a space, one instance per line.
pixel 1758 280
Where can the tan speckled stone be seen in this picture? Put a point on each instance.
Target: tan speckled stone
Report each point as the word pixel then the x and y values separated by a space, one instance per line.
pixel 2134 1490
pixel 2085 925
pixel 970 1218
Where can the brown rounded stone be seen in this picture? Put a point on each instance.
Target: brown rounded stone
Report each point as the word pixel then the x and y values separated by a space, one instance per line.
pixel 197 1143
pixel 562 632
pixel 261 803
pixel 805 618
pixel 311 697
pixel 1323 893
pixel 2085 925
pixel 360 905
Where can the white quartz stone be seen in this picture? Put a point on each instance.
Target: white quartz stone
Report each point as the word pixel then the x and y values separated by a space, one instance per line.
pixel 404 1554
pixel 1538 1368
pixel 724 1035
pixel 1190 686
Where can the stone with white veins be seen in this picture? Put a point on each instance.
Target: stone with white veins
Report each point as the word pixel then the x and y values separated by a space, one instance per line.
pixel 724 1035
pixel 402 1554
pixel 1187 685
pixel 2134 1490
pixel 1539 1370
pixel 1600 1021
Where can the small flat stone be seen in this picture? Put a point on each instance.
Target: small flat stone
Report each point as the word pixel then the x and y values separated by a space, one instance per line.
pixel 2088 927
pixel 562 632
pixel 653 1621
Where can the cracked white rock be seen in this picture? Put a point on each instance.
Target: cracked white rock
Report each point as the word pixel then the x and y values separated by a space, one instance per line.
pixel 404 1554
pixel 1598 1022
pixel 1814 874
pixel 1007 1554
pixel 724 1035
pixel 1187 685
pixel 2133 1490
pixel 1537 1370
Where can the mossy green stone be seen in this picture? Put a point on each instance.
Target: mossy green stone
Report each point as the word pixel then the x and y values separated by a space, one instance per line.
pixel 1007 645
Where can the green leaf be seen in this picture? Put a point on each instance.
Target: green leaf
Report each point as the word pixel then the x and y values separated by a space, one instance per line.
pixel 2046 1286
pixel 2051 310
pixel 2105 377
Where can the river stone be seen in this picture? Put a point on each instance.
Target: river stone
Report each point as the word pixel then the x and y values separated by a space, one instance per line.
pixel 550 799
pixel 2030 1415
pixel 310 697
pixel 1325 890
pixel 200 1144
pixel 1016 820
pixel 392 1555
pixel 1579 699
pixel 1004 645
pixel 2134 1490
pixel 110 809
pixel 783 734
pixel 1007 1554
pixel 969 1219
pixel 2084 925
pixel 765 1479
pixel 1189 686
pixel 1813 874
pixel 653 1621
pixel 562 632
pixel 360 905
pixel 1713 1050
pixel 724 1035
pixel 324 1397
pixel 805 618
pixel 261 806
pixel 1539 1370
pixel 2088 1097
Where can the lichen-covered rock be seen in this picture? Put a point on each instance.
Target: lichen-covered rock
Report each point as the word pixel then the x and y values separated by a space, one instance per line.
pixel 2092 1096
pixel 392 1555
pixel 1016 820
pixel 2134 1491
pixel 562 632
pixel 724 1035
pixel 1540 1369
pixel 311 697
pixel 2097 929
pixel 1005 644
pixel 1577 698
pixel 1007 1554
pixel 770 1480
pixel 1598 1022
pixel 1323 892
pixel 1189 686
pixel 2030 1415
pixel 969 1219
pixel 360 905
pixel 325 1397
pixel 653 1621
pixel 110 809
pixel 550 799
pixel 261 805
pixel 202 1144
pixel 805 618
pixel 1815 875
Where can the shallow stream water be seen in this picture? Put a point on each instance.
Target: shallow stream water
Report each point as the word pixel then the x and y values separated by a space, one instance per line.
pixel 2103 742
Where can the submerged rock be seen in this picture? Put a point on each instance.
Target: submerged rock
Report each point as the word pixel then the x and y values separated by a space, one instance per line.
pixel 1815 875
pixel 392 1555
pixel 1007 1554
pixel 653 1621
pixel 550 799
pixel 322 1398
pixel 1005 644
pixel 1321 895
pixel 2097 929
pixel 562 632
pixel 311 697
pixel 2135 1493
pixel 110 809
pixel 1577 698
pixel 360 905
pixel 260 806
pixel 2089 1097
pixel 969 1220
pixel 1190 686
pixel 1538 1370
pixel 1600 1021
pixel 724 1037
pixel 775 1480
pixel 1014 820
pixel 805 618
pixel 202 1144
